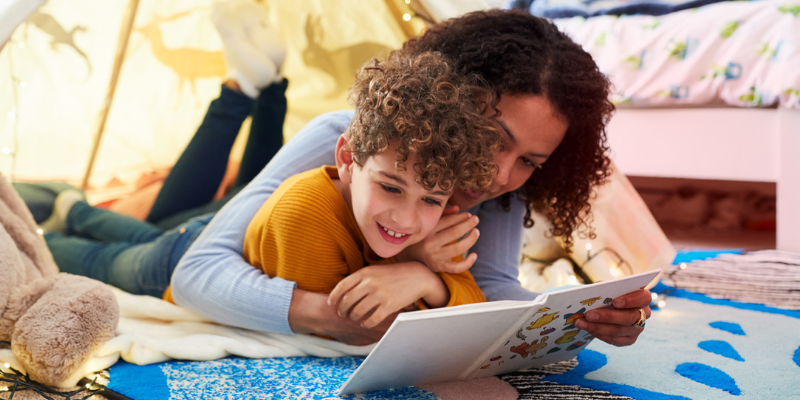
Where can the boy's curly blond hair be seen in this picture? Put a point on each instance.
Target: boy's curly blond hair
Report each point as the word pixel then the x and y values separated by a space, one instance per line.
pixel 419 103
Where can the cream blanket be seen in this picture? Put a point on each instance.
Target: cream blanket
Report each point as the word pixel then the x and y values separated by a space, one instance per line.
pixel 152 330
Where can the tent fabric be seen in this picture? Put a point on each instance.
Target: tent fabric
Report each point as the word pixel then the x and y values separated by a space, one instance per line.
pixel 58 64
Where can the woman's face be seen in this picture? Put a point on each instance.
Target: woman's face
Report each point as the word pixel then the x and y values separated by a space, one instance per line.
pixel 531 131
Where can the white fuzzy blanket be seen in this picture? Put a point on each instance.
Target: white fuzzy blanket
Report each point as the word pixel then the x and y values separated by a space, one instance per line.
pixel 152 330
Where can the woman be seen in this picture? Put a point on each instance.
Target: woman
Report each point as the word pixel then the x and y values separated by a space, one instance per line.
pixel 553 107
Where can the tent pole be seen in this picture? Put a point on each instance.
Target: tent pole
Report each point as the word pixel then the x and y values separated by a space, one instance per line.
pixel 122 45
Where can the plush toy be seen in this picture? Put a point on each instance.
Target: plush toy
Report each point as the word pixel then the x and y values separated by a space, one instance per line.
pixel 54 321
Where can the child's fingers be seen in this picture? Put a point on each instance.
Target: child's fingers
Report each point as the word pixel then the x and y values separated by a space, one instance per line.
pixel 458 230
pixel 351 299
pixel 363 308
pixel 447 222
pixel 461 246
pixel 461 266
pixel 449 210
pixel 341 288
pixel 377 317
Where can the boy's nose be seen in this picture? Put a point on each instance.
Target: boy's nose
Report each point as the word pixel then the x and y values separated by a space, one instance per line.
pixel 405 215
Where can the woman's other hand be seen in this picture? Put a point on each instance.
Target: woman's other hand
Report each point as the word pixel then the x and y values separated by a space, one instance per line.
pixel 615 325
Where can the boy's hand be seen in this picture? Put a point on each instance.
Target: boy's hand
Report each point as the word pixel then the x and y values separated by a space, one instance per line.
pixel 373 293
pixel 439 248
pixel 310 313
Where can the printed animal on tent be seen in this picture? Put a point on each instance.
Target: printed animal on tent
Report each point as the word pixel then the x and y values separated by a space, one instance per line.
pixel 340 64
pixel 59 35
pixel 189 64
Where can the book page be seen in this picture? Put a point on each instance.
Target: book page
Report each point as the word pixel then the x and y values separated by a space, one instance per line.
pixel 550 335
pixel 423 347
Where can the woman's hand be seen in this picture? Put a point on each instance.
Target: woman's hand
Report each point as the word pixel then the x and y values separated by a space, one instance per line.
pixel 373 293
pixel 614 325
pixel 439 248
pixel 309 312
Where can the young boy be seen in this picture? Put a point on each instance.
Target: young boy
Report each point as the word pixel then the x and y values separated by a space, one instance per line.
pixel 419 132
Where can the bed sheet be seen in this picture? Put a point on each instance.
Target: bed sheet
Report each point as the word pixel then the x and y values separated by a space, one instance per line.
pixel 742 54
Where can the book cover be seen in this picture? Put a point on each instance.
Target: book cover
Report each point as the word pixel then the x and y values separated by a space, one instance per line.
pixel 485 339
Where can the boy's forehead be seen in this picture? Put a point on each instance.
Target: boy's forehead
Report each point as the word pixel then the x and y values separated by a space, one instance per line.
pixel 385 165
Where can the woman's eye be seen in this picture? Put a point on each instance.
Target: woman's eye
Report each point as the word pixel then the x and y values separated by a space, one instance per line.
pixel 432 201
pixel 390 189
pixel 530 163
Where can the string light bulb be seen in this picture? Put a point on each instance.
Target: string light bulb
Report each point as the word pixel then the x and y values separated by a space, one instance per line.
pixel 406 17
pixel 661 303
pixel 7 365
pixel 588 246
pixel 572 280
pixel 11 115
pixel 23 84
pixel 682 266
pixel 408 1
pixel 653 296
pixel 40 231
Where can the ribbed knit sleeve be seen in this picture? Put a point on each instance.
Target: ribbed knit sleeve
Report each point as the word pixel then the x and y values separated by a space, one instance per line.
pixel 305 233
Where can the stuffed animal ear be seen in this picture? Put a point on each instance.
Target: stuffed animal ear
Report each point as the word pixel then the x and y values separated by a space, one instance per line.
pixel 66 325
pixel 20 226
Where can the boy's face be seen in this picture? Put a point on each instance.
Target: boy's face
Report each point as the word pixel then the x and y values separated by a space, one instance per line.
pixel 391 209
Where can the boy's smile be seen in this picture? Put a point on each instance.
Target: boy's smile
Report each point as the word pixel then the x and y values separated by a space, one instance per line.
pixel 391 209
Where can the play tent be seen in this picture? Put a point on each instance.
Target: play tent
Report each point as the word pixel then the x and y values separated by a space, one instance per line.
pixel 57 77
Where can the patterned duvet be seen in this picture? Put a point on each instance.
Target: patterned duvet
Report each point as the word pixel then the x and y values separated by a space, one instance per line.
pixel 742 54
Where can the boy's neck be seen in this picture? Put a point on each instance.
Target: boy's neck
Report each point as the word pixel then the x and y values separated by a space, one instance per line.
pixel 344 190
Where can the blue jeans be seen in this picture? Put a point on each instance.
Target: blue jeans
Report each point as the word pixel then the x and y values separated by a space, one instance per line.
pixel 135 256
pixel 139 257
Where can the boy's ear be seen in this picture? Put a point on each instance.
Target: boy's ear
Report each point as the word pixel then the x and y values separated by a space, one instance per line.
pixel 344 159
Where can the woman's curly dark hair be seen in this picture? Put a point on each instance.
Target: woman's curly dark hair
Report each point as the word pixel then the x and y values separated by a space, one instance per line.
pixel 416 101
pixel 517 53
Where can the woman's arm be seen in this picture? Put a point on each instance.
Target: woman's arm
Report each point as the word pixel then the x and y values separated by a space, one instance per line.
pixel 213 268
pixel 499 249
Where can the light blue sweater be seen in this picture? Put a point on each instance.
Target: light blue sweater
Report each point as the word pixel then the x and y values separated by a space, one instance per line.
pixel 213 279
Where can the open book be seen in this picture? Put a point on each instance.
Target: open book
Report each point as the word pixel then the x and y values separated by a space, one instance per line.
pixel 485 339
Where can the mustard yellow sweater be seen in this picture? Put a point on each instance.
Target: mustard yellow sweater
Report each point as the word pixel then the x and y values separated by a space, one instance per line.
pixel 306 233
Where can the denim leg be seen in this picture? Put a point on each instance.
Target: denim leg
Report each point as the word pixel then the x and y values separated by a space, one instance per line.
pixel 197 174
pixel 138 268
pixel 266 131
pixel 90 222
pixel 118 264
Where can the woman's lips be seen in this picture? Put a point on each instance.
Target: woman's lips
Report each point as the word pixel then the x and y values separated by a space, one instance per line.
pixel 389 238
pixel 469 193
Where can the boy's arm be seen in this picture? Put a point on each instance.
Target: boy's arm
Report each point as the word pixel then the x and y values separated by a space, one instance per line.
pixel 462 288
pixel 213 279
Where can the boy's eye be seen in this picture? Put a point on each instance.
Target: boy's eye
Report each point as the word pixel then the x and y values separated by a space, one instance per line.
pixel 432 201
pixel 390 189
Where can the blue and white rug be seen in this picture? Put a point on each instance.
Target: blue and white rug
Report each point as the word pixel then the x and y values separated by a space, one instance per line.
pixel 694 347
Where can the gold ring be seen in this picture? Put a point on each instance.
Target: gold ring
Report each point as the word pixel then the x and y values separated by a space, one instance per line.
pixel 642 319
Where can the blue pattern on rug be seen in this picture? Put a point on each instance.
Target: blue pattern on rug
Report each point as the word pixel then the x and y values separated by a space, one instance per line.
pixel 139 381
pixel 234 377
pixel 589 361
pixel 720 347
pixel 709 376
pixel 796 357
pixel 731 327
